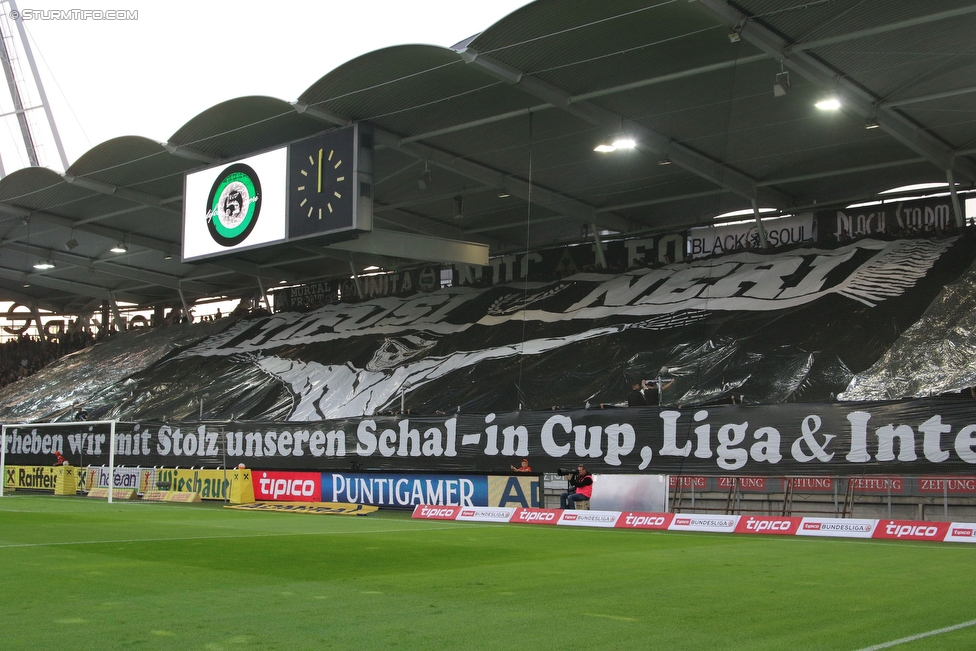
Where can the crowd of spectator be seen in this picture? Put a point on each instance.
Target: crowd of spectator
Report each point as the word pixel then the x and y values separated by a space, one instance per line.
pixel 26 355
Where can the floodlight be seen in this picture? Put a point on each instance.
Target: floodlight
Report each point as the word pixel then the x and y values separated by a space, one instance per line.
pixel 828 104
pixel 782 85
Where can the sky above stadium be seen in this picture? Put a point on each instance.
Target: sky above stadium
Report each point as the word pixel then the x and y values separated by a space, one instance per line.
pixel 148 74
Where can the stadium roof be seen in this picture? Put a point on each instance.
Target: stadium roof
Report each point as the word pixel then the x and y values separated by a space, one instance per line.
pixel 509 119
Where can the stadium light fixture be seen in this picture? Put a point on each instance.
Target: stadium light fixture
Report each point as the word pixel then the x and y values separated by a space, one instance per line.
pixel 871 123
pixel 782 85
pixel 43 265
pixel 741 213
pixel 914 187
pixel 119 248
pixel 828 104
pixel 424 181
pixel 615 143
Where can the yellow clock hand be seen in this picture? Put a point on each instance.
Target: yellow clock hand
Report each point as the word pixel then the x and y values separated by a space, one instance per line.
pixel 320 171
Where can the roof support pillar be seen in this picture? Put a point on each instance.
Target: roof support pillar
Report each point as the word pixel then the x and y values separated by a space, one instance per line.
pixel 116 316
pixel 601 259
pixel 263 294
pixel 759 225
pixel 36 313
pixel 956 208
pixel 355 280
pixel 186 310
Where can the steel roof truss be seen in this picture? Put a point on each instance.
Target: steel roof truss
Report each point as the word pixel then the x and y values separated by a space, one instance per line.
pixel 853 96
pixel 679 154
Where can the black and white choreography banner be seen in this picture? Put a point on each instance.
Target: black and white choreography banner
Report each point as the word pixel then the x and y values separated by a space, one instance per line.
pixel 919 437
pixel 345 361
pixel 769 327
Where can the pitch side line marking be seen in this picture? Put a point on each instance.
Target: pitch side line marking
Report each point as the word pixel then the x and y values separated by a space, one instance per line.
pixel 259 535
pixel 912 638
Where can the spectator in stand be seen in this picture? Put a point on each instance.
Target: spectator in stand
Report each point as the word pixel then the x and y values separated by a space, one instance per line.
pixel 647 393
pixel 636 397
pixel 581 488
pixel 654 389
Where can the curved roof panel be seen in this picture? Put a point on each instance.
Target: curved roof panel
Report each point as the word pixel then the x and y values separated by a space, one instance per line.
pixel 242 126
pixel 133 162
pixel 589 46
pixel 37 188
pixel 412 89
pixel 390 68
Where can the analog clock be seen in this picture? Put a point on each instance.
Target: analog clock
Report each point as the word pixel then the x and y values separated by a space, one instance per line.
pixel 321 183
pixel 321 179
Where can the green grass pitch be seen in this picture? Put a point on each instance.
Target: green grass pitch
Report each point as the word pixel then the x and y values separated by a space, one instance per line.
pixel 85 574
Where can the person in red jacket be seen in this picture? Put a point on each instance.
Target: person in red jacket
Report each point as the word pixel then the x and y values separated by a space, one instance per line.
pixel 522 468
pixel 59 459
pixel 581 488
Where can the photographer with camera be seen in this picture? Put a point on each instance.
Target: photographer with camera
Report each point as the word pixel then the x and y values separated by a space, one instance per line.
pixel 581 487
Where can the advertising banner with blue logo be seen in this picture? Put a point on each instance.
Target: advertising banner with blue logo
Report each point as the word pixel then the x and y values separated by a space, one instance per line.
pixel 395 489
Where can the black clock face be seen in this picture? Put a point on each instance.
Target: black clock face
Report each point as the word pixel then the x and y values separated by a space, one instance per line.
pixel 320 184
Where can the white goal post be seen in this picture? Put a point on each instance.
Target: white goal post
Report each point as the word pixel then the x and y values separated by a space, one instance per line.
pixel 74 425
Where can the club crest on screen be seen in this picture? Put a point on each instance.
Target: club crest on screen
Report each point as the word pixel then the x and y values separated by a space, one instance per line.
pixel 234 205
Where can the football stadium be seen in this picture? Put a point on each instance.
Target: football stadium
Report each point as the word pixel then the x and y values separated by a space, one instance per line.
pixel 614 325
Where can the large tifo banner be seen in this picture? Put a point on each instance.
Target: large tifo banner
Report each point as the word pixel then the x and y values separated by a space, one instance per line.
pixel 742 524
pixel 754 327
pixel 935 436
pixel 772 326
